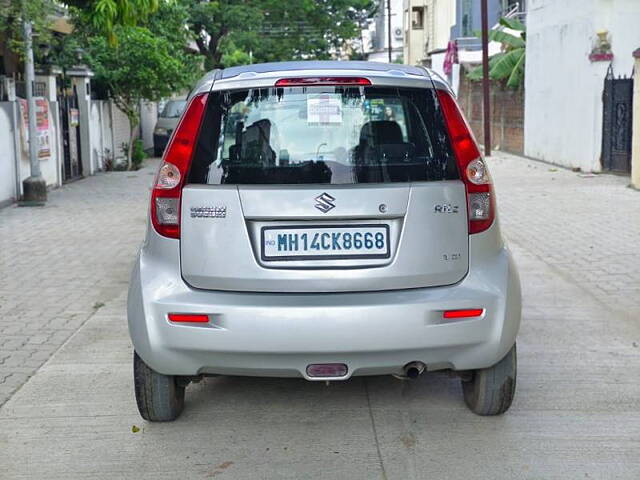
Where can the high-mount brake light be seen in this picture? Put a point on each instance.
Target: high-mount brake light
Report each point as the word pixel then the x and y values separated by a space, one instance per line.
pixel 319 81
pixel 167 188
pixel 474 171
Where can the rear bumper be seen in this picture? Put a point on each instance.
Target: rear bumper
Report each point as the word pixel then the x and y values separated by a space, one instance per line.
pixel 266 334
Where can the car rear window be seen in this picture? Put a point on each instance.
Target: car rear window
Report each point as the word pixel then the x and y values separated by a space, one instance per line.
pixel 322 135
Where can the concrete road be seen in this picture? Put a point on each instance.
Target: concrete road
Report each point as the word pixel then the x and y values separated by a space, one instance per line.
pixel 576 413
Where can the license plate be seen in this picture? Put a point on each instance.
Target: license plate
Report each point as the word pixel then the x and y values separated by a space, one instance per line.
pixel 324 242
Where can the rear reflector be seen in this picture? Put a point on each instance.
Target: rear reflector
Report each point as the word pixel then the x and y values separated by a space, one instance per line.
pixel 468 313
pixel 480 206
pixel 306 81
pixel 327 370
pixel 188 318
pixel 167 210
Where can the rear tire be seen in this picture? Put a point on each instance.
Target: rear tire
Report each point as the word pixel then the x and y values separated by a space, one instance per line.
pixel 490 391
pixel 160 398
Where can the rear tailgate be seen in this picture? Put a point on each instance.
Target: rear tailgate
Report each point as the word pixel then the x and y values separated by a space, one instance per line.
pixel 327 188
pixel 427 236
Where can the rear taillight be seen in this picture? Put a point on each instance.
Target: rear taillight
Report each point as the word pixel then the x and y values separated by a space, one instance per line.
pixel 167 188
pixel 473 169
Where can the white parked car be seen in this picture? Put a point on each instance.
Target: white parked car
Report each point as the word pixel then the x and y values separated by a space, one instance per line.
pixel 167 121
pixel 323 220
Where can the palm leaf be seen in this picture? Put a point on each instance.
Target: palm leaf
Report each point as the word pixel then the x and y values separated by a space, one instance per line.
pixel 509 64
pixel 512 23
pixel 506 38
pixel 504 66
pixel 517 74
pixel 476 73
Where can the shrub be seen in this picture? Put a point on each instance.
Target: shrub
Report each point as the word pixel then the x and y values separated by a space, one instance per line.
pixel 138 155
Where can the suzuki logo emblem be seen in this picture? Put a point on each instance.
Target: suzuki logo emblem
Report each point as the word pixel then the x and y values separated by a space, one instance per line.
pixel 324 202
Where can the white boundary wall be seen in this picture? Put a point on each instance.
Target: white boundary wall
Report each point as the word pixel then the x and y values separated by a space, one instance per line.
pixel 7 154
pixel 148 119
pixel 563 88
pixel 108 130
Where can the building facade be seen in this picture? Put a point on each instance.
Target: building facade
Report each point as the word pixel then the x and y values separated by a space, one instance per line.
pixel 376 37
pixel 430 26
pixel 427 25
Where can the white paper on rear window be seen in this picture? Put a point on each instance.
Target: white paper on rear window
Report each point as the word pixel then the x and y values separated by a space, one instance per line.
pixel 324 108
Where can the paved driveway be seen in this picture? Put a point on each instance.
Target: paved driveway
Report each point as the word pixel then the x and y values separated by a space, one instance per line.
pixel 576 414
pixel 61 263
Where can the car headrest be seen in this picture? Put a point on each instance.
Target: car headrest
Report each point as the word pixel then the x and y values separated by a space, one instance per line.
pixel 258 132
pixel 381 132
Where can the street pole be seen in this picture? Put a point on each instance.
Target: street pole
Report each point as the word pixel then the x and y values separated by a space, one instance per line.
pixel 34 187
pixel 389 27
pixel 486 107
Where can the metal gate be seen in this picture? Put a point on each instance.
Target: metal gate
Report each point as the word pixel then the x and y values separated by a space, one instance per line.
pixel 70 121
pixel 617 102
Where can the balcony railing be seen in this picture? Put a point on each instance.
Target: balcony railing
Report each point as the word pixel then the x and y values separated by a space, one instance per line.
pixel 516 10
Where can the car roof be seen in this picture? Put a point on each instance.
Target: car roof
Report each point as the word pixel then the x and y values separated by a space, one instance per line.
pixel 322 65
pixel 259 75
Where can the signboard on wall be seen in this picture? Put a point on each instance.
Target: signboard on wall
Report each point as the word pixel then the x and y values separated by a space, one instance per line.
pixel 43 127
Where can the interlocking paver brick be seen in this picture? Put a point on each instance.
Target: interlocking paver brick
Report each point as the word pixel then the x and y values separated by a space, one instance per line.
pixel 586 227
pixel 59 261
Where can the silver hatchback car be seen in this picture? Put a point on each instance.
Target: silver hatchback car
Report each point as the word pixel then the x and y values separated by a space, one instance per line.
pixel 323 220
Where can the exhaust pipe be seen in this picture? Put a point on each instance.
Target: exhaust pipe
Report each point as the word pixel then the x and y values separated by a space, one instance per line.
pixel 414 369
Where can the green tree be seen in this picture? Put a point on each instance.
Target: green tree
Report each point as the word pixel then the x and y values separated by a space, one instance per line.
pixel 169 22
pixel 230 32
pixel 362 14
pixel 142 66
pixel 103 16
pixel 214 23
pixel 13 13
pixel 149 61
pixel 303 29
pixel 509 64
